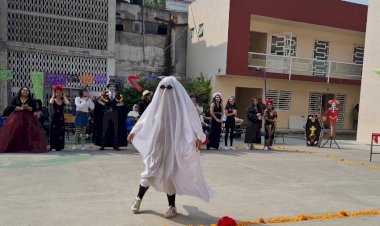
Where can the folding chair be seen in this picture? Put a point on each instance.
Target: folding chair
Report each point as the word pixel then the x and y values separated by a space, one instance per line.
pixel 69 125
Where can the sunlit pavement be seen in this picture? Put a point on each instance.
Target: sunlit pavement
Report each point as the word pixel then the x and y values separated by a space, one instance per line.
pixel 97 187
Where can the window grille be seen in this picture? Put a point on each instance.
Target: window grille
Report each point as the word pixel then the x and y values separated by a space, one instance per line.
pixel 342 106
pixel 68 32
pixel 358 55
pixel 282 99
pixel 283 46
pixel 315 103
pixel 22 63
pixel 321 55
pixel 83 9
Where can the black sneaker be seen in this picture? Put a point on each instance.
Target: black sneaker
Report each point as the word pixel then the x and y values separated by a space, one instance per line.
pixel 116 148
pixel 101 148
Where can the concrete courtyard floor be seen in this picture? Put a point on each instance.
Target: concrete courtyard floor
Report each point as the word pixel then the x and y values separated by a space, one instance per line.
pixel 97 188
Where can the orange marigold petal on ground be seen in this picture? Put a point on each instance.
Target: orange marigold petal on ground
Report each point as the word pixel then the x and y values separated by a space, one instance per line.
pixel 247 223
pixel 302 217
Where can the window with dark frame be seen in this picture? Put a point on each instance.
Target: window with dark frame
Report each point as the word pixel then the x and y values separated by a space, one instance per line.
pixel 200 30
pixel 282 47
pixel 162 29
pixel 191 32
pixel 282 99
pixel 358 57
pixel 150 28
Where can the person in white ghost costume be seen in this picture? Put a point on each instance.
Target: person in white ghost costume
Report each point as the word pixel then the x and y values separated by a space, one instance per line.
pixel 168 136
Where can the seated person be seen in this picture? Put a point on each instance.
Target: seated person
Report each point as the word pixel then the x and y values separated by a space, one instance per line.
pixel 134 114
pixel 206 121
pixel 132 117
pixel 42 115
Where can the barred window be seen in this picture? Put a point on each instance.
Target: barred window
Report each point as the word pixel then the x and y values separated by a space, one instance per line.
pixel 74 23
pixel 315 103
pixel 283 45
pixel 358 55
pixel 22 63
pixel 282 99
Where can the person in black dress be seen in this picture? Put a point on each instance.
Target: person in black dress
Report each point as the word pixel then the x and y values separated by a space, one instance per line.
pixel 230 112
pixel 216 121
pixel 58 101
pixel 110 115
pixel 254 120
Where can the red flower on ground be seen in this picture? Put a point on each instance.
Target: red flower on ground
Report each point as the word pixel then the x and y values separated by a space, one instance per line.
pixel 226 221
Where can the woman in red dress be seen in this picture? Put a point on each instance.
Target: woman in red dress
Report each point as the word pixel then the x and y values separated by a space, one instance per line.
pixel 22 132
pixel 332 115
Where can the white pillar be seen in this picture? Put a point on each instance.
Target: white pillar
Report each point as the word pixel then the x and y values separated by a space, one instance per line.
pixel 369 107
pixel 111 37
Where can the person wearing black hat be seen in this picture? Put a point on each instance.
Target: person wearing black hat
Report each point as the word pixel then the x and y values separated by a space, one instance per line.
pixel 110 115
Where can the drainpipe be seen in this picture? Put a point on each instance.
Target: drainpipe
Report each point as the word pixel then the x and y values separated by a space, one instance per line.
pixel 328 71
pixel 143 30
pixel 265 84
pixel 290 67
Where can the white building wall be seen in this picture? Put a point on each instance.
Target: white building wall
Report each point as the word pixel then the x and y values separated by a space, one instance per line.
pixel 207 55
pixel 369 107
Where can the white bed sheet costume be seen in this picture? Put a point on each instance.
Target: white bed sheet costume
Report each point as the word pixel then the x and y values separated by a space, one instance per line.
pixel 165 136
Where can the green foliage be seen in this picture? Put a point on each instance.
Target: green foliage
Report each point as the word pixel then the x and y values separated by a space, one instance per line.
pixel 202 87
pixel 159 4
pixel 163 3
pixel 132 96
pixel 199 85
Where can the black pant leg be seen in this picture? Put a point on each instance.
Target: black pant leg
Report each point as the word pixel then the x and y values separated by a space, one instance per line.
pixel 115 129
pixel 232 135
pixel 171 199
pixel 226 134
pixel 106 120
